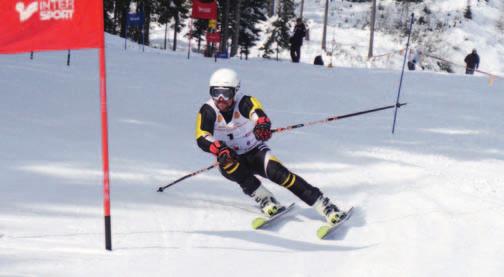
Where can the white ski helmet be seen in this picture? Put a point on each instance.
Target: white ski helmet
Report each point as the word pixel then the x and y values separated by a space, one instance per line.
pixel 225 77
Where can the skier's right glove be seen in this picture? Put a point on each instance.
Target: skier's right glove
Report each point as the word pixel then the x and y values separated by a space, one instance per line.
pixel 225 155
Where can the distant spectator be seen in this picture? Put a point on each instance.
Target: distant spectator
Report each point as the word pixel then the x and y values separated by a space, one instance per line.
pixel 415 57
pixel 296 40
pixel 472 62
pixel 318 60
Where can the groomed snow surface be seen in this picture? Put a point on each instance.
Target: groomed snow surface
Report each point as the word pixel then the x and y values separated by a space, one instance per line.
pixel 428 200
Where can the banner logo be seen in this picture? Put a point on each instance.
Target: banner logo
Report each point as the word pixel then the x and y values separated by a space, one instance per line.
pixel 26 13
pixel 204 9
pixel 48 10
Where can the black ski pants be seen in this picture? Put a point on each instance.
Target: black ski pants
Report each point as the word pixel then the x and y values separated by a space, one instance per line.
pixel 295 52
pixel 259 161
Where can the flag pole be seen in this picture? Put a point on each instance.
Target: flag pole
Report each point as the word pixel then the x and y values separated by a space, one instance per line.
pixel 105 154
pixel 104 137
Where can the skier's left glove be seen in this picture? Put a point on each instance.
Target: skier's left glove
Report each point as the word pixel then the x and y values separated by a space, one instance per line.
pixel 262 129
pixel 225 155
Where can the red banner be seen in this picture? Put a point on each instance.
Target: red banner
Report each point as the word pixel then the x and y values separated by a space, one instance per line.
pixel 35 25
pixel 202 9
pixel 213 37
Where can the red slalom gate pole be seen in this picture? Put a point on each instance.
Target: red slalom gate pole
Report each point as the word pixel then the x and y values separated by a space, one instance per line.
pixel 105 152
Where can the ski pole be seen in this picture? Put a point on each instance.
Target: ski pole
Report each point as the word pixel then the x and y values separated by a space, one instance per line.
pixel 335 118
pixel 402 73
pixel 160 189
pixel 283 129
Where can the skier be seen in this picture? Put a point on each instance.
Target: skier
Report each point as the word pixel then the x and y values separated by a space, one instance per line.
pixel 233 127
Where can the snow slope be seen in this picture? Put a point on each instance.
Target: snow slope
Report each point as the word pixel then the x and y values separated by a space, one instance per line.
pixel 428 199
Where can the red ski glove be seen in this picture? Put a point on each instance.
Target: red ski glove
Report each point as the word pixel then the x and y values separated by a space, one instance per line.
pixel 262 130
pixel 225 155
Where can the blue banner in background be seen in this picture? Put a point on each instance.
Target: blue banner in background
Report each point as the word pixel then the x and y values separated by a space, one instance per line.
pixel 135 19
pixel 222 55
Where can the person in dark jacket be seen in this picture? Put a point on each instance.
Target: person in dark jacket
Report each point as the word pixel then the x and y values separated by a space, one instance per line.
pixel 472 62
pixel 296 40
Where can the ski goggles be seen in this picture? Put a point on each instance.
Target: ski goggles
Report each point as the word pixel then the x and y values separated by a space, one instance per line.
pixel 225 92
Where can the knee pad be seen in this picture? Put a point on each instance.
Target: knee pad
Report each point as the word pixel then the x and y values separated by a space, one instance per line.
pixel 297 185
pixel 278 173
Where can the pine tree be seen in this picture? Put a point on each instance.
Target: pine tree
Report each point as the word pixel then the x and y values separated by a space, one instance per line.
pixel 253 12
pixel 199 29
pixel 163 16
pixel 181 13
pixel 225 21
pixel 108 13
pixel 121 10
pixel 176 10
pixel 114 13
pixel 279 31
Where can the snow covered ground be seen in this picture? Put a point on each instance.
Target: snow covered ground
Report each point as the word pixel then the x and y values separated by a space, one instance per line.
pixel 429 199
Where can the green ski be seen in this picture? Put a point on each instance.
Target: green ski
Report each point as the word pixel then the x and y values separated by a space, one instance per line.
pixel 262 221
pixel 327 229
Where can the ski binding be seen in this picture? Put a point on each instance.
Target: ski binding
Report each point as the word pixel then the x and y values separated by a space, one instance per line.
pixel 263 221
pixel 328 229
